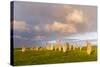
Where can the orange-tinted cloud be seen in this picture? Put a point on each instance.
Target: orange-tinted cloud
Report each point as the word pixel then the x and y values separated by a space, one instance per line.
pixel 76 16
pixel 72 17
pixel 61 27
pixel 20 25
pixel 60 11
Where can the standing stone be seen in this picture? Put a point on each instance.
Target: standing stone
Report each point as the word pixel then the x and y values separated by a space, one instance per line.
pixel 77 46
pixel 23 49
pixel 59 47
pixel 51 47
pixel 74 47
pixel 40 48
pixel 31 49
pixel 89 48
pixel 64 47
pixel 47 47
pixel 37 48
pixel 80 48
pixel 70 47
pixel 55 47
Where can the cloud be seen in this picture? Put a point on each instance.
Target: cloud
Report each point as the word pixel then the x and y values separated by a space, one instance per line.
pixel 84 36
pixel 69 14
pixel 72 20
pixel 60 11
pixel 76 16
pixel 38 37
pixel 20 26
pixel 17 36
pixel 37 28
pixel 20 37
pixel 61 27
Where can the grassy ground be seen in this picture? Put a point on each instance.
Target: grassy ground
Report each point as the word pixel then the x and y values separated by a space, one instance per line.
pixel 50 57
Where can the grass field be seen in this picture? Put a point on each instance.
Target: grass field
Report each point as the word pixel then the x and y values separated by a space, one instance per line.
pixel 32 57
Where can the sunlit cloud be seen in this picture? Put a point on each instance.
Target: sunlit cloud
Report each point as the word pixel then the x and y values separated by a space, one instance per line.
pixel 77 16
pixel 60 11
pixel 61 27
pixel 37 28
pixel 20 26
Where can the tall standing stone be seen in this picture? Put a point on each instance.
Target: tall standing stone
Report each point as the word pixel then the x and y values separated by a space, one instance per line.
pixel 80 48
pixel 23 49
pixel 89 48
pixel 64 47
pixel 51 47
pixel 48 46
pixel 74 47
pixel 57 46
pixel 37 48
pixel 70 47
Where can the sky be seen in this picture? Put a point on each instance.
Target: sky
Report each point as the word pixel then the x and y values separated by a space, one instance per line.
pixel 35 23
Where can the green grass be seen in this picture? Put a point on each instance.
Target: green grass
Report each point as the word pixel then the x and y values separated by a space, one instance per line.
pixel 50 57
